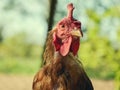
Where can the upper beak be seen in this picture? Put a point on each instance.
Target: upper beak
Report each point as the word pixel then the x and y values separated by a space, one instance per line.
pixel 77 33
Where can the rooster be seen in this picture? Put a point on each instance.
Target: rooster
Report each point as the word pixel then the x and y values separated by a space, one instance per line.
pixel 62 69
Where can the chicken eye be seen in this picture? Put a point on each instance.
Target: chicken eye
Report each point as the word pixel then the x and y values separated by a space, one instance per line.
pixel 62 26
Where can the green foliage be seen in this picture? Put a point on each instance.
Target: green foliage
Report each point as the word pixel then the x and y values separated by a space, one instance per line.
pixel 15 65
pixel 117 79
pixel 99 56
pixel 17 56
pixel 17 46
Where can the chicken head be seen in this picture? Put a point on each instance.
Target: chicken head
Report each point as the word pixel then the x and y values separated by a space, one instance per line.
pixel 66 37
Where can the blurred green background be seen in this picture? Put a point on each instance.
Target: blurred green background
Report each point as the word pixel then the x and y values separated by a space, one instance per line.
pixel 23 31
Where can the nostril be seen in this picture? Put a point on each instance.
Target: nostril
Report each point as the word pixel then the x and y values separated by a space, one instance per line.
pixel 62 34
pixel 75 28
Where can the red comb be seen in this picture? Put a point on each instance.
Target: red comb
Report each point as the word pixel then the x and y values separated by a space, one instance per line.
pixel 70 10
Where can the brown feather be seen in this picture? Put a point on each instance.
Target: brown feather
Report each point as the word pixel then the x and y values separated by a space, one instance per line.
pixel 49 50
pixel 61 73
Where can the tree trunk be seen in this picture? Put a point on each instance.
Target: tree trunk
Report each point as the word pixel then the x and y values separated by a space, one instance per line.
pixel 53 4
pixel 1 37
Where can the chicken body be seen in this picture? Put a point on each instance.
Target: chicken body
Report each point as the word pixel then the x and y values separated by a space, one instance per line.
pixel 61 73
pixel 62 70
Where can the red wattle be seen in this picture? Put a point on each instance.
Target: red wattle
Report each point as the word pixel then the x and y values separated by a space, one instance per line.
pixel 65 48
pixel 75 46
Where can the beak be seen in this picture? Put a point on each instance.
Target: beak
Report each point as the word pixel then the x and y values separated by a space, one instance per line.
pixel 77 33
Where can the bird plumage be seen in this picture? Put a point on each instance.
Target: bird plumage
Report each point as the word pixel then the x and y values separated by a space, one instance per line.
pixel 62 73
pixel 62 70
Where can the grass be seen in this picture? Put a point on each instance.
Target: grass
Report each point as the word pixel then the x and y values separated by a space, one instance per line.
pixel 15 65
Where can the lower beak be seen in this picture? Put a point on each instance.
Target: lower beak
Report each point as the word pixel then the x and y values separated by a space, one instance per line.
pixel 77 33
